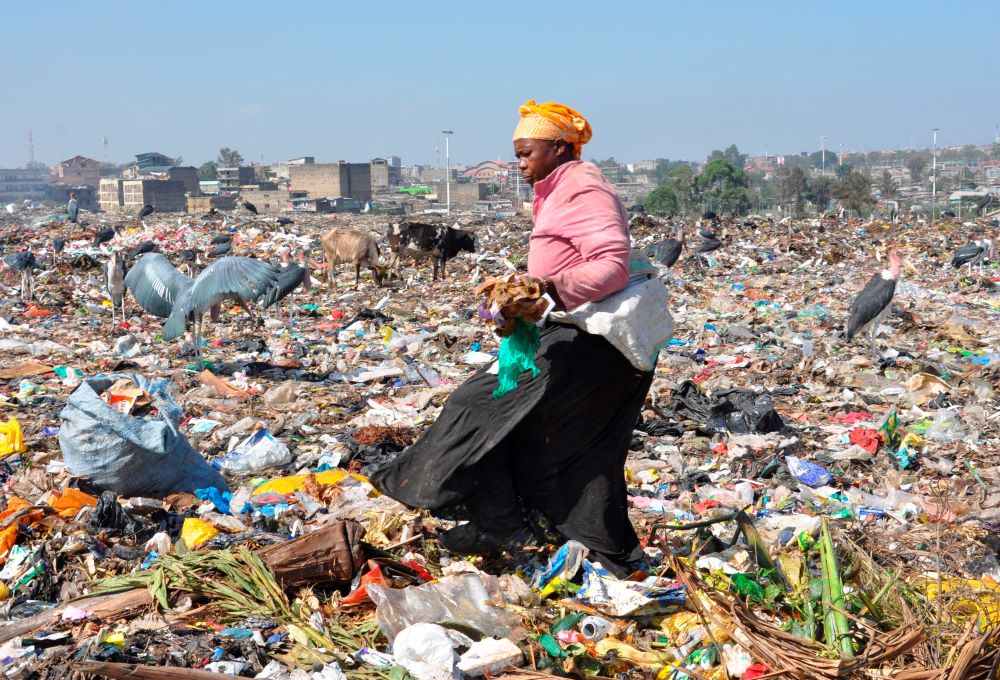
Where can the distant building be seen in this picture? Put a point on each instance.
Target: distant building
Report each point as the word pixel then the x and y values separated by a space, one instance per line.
pixel 165 195
pixel 18 184
pixel 269 201
pixel 643 166
pixel 489 171
pixel 466 193
pixel 231 179
pixel 280 171
pixel 110 197
pixel 78 171
pixel 385 175
pixel 612 173
pixel 199 205
pixel 329 180
pixel 427 173
pixel 338 204
pixel 156 166
pixel 86 196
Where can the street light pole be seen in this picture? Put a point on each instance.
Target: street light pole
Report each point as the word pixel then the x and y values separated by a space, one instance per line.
pixel 934 176
pixel 822 146
pixel 447 160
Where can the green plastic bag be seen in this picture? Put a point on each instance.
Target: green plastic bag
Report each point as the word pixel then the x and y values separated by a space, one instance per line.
pixel 517 355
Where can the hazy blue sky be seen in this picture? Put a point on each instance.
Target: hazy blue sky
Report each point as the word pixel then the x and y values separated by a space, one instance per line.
pixel 367 78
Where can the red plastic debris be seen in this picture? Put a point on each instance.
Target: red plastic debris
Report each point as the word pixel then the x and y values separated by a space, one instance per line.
pixel 866 438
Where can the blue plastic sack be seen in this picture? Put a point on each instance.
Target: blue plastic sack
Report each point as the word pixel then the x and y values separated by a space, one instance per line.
pixel 131 455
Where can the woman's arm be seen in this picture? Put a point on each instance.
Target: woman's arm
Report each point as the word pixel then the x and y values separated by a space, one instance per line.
pixel 592 223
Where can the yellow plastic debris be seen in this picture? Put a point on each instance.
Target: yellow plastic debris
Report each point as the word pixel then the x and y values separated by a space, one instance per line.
pixel 116 639
pixel 293 483
pixel 11 438
pixel 631 654
pixel 196 531
pixel 978 598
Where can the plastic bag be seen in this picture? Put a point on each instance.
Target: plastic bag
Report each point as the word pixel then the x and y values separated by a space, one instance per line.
pixel 68 502
pixel 426 651
pixel 11 438
pixel 808 473
pixel 133 456
pixel 463 597
pixel 259 451
pixel 196 531
pixel 111 518
pixel 735 410
pixel 947 426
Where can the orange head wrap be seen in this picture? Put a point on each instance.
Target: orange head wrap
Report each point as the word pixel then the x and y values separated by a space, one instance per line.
pixel 554 122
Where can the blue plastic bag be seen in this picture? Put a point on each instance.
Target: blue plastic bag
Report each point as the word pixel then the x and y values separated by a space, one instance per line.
pixel 131 455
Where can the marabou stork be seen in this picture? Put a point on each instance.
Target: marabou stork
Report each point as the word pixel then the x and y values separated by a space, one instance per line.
pixel 72 208
pixel 222 238
pixel 874 302
pixel 142 248
pixel 146 211
pixel 114 279
pixel 710 243
pixel 106 234
pixel 290 277
pixel 210 214
pixel 25 263
pixel 163 291
pixel 985 203
pixel 973 253
pixel 58 245
pixel 220 249
pixel 667 252
pixel 249 206
pixel 285 221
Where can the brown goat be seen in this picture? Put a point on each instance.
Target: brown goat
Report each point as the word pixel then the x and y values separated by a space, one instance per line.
pixel 345 245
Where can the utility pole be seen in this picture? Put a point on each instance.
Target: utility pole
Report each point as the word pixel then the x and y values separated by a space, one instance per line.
pixel 822 147
pixel 934 176
pixel 447 159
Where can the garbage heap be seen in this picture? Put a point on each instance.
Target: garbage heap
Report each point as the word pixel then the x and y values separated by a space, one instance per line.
pixel 807 510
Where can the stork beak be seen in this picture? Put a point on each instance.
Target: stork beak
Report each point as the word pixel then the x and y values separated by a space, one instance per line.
pixel 909 267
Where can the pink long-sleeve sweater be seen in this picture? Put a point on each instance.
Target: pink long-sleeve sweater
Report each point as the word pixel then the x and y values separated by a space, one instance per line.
pixel 580 239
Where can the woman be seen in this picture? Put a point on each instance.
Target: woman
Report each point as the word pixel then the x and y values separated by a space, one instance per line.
pixel 555 445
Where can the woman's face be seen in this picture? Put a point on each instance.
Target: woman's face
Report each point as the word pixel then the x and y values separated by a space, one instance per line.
pixel 536 158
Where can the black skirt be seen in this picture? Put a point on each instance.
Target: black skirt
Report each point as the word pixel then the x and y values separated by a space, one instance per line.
pixel 556 444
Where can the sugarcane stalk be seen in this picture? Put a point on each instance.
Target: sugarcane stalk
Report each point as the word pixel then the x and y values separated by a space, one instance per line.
pixel 829 627
pixel 837 601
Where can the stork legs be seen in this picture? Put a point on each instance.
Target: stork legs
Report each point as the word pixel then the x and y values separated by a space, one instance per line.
pixel 196 329
pixel 871 332
pixel 27 286
pixel 120 305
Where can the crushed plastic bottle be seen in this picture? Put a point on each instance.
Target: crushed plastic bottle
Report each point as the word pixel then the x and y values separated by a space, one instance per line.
pixel 418 373
pixel 257 452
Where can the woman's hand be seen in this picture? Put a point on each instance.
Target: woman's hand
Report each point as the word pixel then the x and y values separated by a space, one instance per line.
pixel 548 288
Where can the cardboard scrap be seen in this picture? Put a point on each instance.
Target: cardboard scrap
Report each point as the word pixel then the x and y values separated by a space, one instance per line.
pixel 224 388
pixel 25 369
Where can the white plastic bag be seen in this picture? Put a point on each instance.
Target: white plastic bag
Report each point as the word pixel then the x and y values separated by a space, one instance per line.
pixel 257 452
pixel 635 320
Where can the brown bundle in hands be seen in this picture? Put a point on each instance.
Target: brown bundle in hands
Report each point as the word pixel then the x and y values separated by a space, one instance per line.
pixel 511 297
